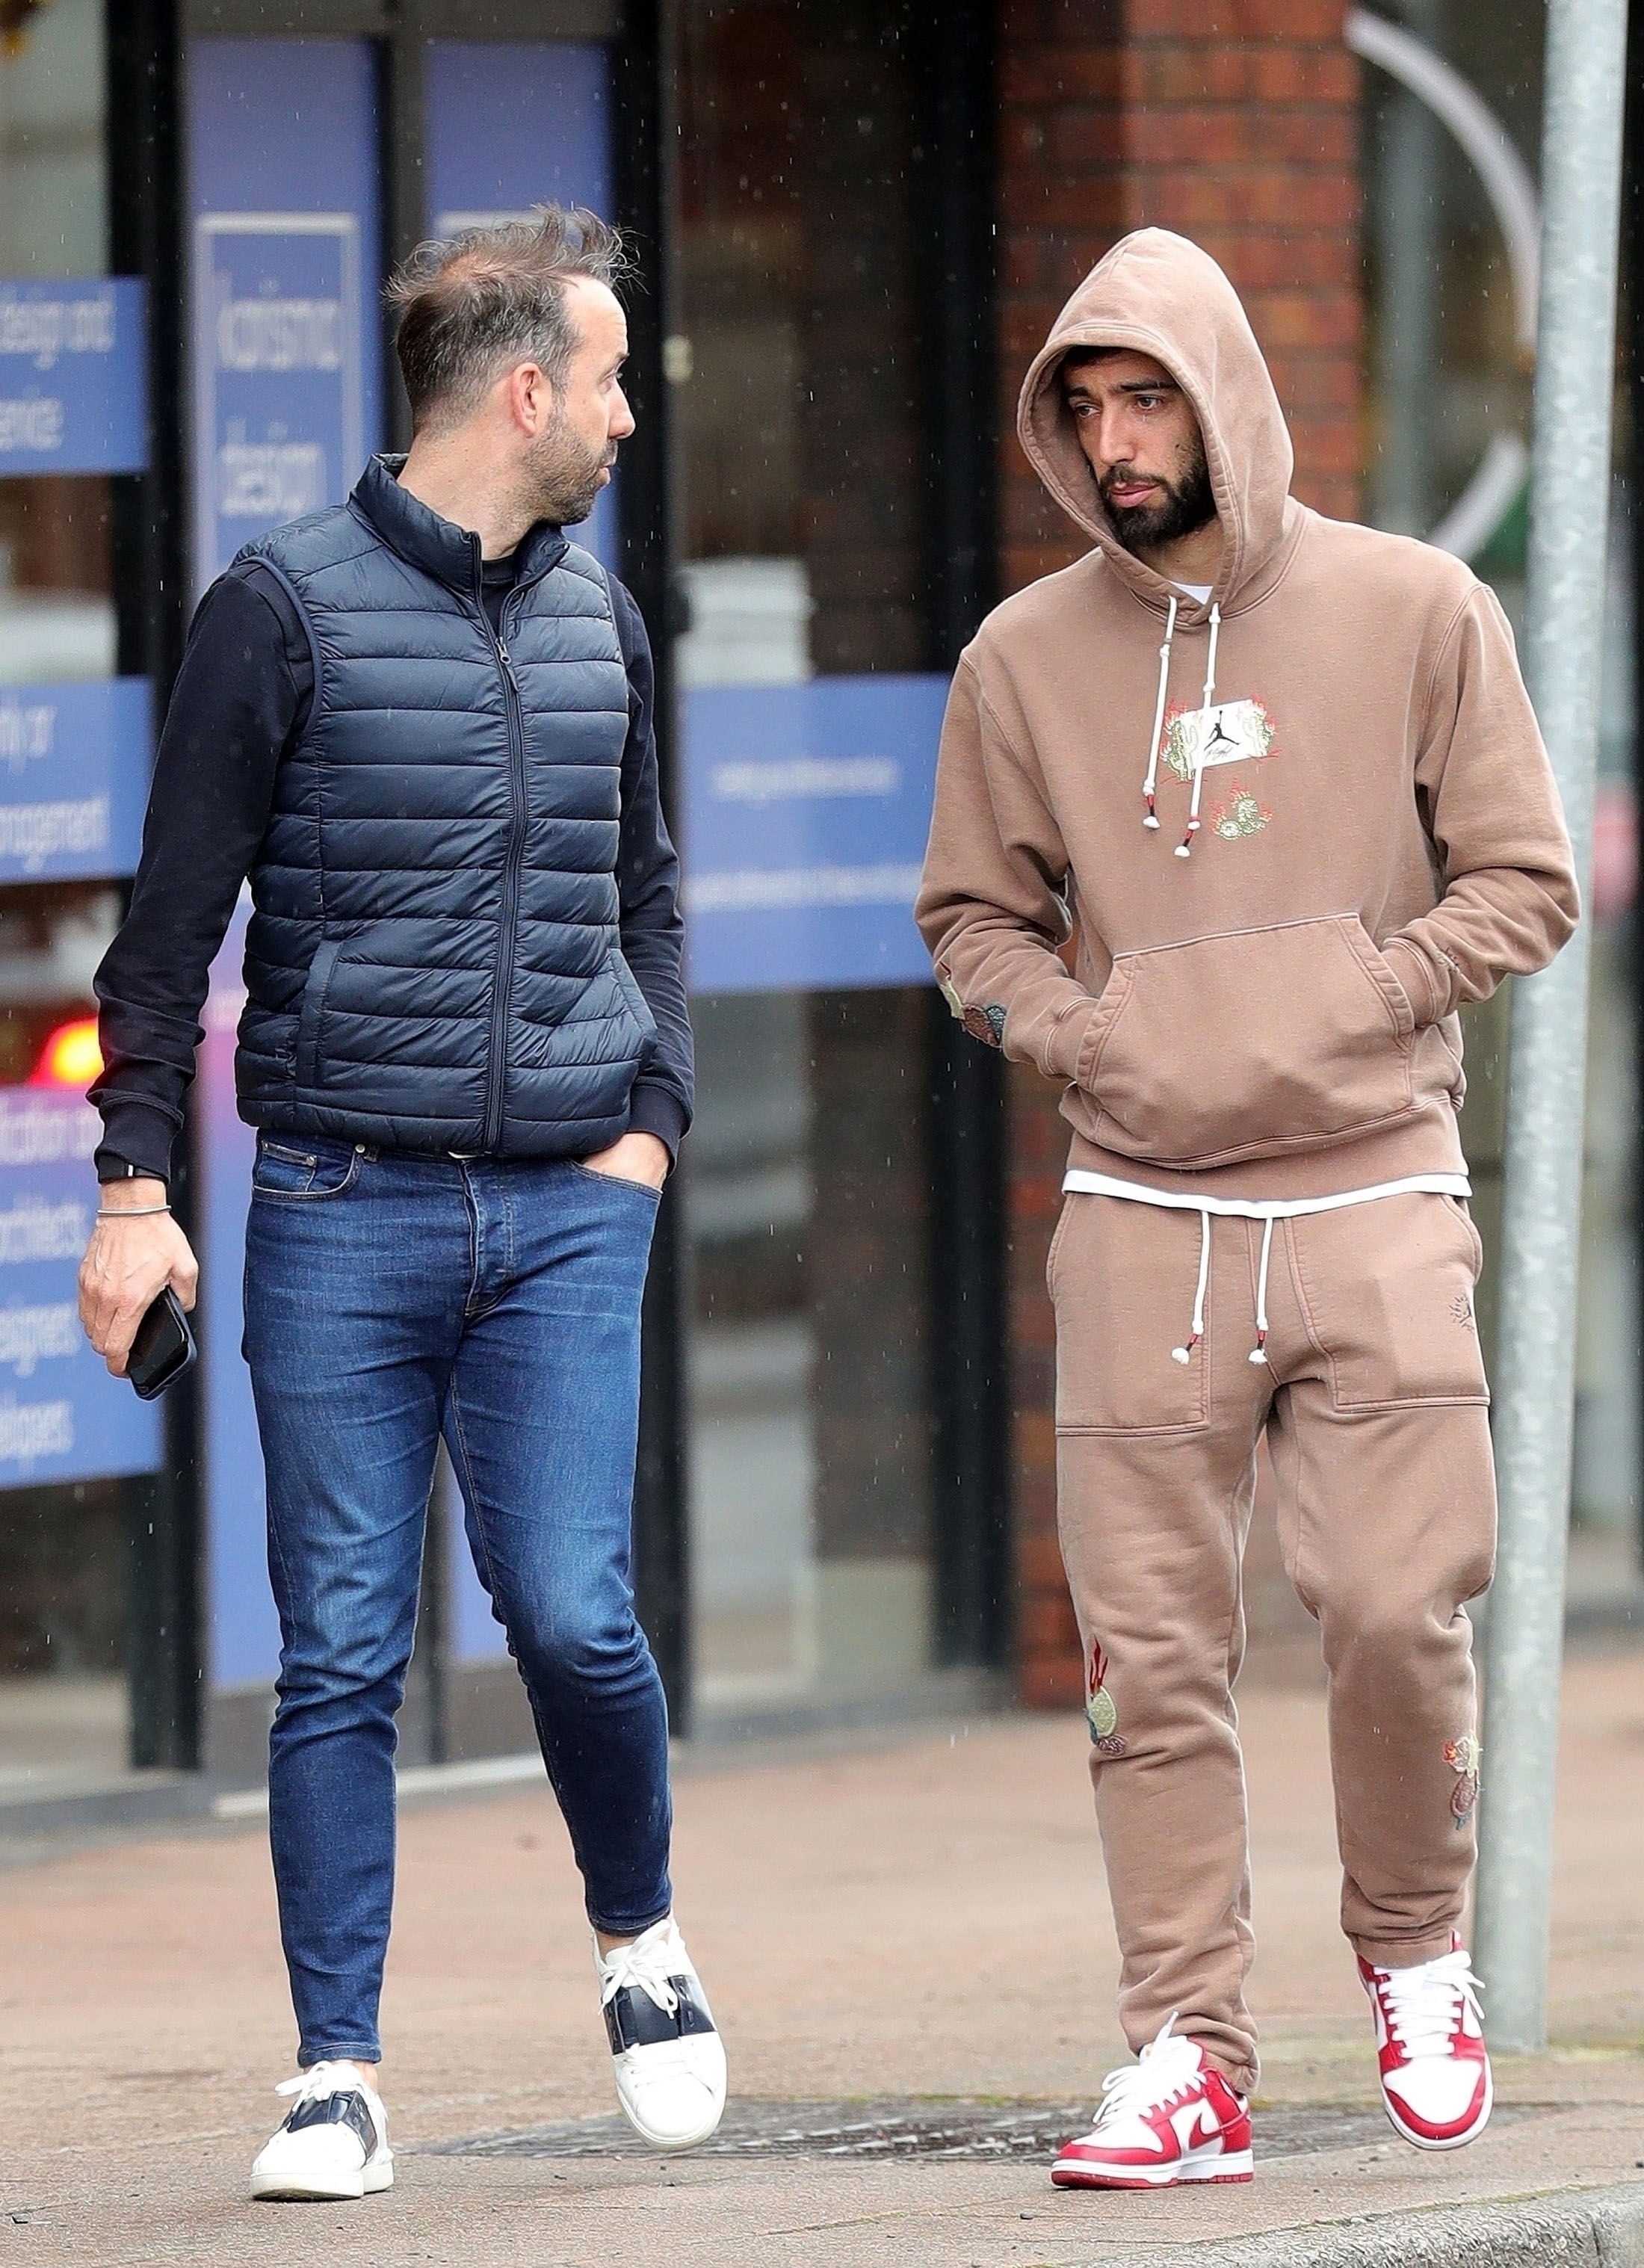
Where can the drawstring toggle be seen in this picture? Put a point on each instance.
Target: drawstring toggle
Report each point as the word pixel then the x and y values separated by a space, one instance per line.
pixel 1150 784
pixel 1185 848
pixel 1185 1353
pixel 1258 1352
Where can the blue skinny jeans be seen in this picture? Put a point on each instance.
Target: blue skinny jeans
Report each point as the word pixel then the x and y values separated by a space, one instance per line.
pixel 391 1299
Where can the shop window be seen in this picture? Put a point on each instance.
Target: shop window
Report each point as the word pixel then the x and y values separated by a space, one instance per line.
pixel 73 764
pixel 809 732
pixel 1449 367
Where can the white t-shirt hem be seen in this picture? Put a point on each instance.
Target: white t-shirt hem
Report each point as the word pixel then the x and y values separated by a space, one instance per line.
pixel 1079 1180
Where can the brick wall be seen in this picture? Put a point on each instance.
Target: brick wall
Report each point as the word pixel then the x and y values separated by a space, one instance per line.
pixel 1236 121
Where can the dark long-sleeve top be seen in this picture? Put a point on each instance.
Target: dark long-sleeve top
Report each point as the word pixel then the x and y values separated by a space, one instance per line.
pixel 240 704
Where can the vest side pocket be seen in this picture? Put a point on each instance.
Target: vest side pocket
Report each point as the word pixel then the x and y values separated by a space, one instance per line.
pixel 634 1000
pixel 314 990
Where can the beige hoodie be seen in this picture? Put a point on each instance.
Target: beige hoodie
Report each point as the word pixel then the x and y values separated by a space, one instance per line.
pixel 1273 1016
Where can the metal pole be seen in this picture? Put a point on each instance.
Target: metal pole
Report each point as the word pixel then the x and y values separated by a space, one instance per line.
pixel 1585 57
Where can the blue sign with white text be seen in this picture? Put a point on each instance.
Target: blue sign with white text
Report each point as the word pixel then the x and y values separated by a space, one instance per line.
pixel 280 415
pixel 284 167
pixel 62 1418
pixel 286 348
pixel 73 377
pixel 74 779
pixel 806 813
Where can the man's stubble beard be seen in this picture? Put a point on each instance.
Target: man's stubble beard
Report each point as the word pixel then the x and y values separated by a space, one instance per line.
pixel 1189 504
pixel 562 475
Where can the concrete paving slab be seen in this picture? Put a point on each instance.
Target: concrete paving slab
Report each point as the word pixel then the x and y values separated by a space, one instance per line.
pixel 923 1923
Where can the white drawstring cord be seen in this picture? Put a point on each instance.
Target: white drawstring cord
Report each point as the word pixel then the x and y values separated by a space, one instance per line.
pixel 1150 784
pixel 1185 848
pixel 1185 1353
pixel 1258 1352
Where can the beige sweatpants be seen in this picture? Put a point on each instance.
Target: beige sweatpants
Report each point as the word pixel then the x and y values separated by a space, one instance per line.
pixel 1374 1398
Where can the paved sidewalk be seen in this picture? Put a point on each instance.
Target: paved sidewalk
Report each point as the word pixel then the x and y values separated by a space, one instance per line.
pixel 915 1934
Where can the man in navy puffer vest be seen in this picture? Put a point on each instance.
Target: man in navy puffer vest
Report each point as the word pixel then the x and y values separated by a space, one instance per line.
pixel 421 725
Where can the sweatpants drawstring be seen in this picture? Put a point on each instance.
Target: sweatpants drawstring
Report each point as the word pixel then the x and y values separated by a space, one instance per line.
pixel 1150 784
pixel 1185 1353
pixel 1185 848
pixel 1258 1352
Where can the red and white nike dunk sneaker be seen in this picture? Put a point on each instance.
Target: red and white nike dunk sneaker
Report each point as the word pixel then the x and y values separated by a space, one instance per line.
pixel 1170 2117
pixel 1429 2038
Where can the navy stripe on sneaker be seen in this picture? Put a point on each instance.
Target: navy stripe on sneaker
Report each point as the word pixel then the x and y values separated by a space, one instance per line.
pixel 348 2106
pixel 633 2020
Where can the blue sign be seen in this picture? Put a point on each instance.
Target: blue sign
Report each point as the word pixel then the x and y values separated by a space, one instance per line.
pixel 279 411
pixel 285 229
pixel 511 125
pixel 74 779
pixel 285 334
pixel 73 377
pixel 62 1418
pixel 806 813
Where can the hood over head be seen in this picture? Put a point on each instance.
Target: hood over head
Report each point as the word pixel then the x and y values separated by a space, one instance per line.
pixel 1159 295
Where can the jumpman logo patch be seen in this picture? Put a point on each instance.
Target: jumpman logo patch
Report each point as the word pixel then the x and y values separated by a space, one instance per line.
pixel 1226 733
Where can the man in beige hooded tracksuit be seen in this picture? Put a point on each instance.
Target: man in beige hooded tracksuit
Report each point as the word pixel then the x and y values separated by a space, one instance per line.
pixel 1265 1223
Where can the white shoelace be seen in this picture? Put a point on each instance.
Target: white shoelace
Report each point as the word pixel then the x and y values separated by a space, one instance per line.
pixel 1150 786
pixel 1167 2067
pixel 644 1964
pixel 322 2079
pixel 1422 2004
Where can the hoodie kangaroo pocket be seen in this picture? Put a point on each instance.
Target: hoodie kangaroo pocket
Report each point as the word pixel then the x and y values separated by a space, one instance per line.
pixel 1252 1044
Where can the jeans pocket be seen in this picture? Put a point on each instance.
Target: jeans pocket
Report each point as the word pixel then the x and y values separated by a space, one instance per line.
pixel 615 1180
pixel 307 1174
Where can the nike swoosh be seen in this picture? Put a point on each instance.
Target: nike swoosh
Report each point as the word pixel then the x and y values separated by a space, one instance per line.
pixel 1196 2134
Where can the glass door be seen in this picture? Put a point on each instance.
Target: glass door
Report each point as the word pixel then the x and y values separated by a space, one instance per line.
pixel 73 749
pixel 808 729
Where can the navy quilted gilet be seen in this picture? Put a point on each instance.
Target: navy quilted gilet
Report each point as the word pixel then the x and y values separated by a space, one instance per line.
pixel 433 962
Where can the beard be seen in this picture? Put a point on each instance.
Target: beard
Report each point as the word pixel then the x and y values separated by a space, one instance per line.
pixel 1187 505
pixel 562 475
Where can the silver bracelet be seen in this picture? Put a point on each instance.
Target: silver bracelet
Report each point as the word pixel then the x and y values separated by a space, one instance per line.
pixel 127 1213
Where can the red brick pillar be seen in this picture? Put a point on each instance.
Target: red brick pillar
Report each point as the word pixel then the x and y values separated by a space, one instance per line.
pixel 1236 122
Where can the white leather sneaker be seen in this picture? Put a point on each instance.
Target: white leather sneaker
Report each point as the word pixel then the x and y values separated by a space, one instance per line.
pixel 668 2059
pixel 334 2143
pixel 1429 2040
pixel 1170 2117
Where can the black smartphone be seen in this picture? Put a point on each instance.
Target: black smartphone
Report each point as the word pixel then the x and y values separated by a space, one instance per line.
pixel 163 1347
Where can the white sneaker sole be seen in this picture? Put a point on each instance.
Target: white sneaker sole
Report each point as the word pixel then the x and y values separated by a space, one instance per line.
pixel 1222 2166
pixel 329 2188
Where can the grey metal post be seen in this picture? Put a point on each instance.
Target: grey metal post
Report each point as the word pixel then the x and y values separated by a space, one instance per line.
pixel 1569 501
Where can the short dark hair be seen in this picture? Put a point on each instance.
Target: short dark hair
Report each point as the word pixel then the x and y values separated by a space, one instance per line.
pixel 1077 357
pixel 473 305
